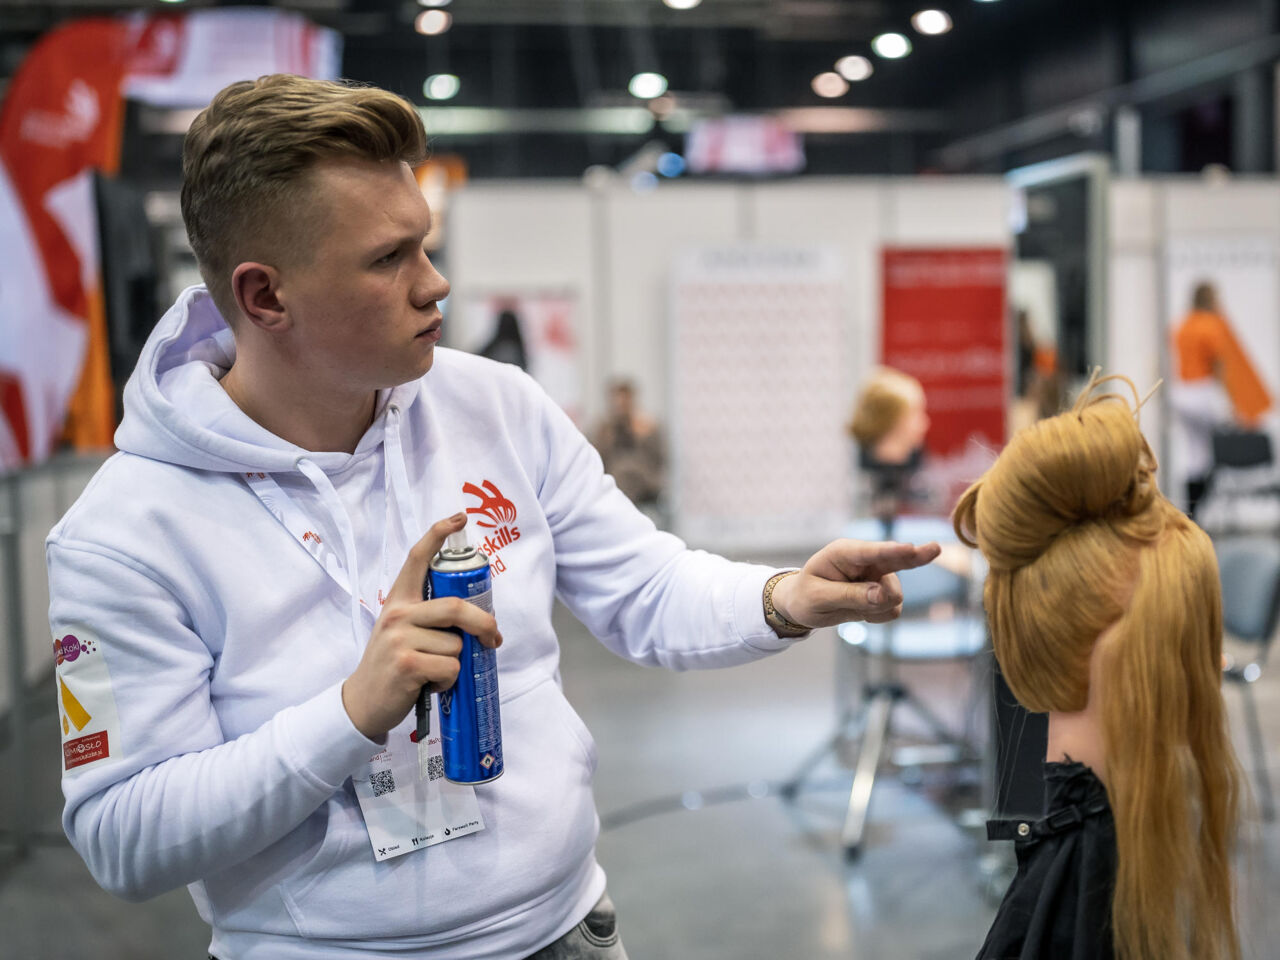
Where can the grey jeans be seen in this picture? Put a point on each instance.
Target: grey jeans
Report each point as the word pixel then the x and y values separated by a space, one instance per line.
pixel 595 938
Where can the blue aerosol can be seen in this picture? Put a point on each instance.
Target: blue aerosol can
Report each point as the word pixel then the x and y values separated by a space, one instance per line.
pixel 470 724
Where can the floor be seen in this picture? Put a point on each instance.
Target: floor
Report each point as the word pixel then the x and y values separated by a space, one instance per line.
pixel 706 859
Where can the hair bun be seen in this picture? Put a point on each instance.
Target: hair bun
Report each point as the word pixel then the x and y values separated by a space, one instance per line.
pixel 1090 464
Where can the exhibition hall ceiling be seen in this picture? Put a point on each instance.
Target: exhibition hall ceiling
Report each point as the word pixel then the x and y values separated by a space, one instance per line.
pixel 753 54
pixel 550 87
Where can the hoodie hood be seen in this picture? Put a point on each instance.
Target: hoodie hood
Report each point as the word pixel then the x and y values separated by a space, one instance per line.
pixel 175 411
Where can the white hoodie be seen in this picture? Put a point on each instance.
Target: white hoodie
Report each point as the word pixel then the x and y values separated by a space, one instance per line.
pixel 202 651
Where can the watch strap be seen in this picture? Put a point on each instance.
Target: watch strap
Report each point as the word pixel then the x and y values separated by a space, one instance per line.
pixel 780 624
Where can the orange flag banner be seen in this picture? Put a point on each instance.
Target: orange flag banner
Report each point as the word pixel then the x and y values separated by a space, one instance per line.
pixel 60 122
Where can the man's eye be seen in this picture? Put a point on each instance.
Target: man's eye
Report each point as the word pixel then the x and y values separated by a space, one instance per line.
pixel 388 258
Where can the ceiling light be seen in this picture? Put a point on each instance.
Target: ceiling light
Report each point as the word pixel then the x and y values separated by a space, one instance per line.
pixel 433 22
pixel 646 86
pixel 854 68
pixel 931 22
pixel 830 85
pixel 682 4
pixel 434 3
pixel 891 46
pixel 441 86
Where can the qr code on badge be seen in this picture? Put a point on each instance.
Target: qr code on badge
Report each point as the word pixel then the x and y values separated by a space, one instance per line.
pixel 435 767
pixel 383 782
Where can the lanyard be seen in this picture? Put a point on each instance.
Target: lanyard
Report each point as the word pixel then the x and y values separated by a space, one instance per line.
pixel 286 511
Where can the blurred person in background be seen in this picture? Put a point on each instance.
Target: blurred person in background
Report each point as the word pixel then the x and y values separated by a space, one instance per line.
pixel 1038 391
pixel 243 581
pixel 1132 859
pixel 1216 386
pixel 507 343
pixel 632 447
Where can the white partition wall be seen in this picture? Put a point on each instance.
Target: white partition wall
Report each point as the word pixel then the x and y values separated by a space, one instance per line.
pixel 511 238
pixel 844 215
pixel 1134 345
pixel 758 364
pixel 618 247
pixel 642 234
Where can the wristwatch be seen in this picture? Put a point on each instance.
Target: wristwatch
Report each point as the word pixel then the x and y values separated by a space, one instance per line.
pixel 780 624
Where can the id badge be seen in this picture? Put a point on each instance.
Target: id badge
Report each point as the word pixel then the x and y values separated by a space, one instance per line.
pixel 406 801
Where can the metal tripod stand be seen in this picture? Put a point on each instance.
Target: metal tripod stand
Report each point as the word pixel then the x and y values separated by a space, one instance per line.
pixel 881 693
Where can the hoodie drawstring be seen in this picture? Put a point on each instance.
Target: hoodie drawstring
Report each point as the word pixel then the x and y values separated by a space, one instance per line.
pixel 329 497
pixel 395 485
pixel 393 457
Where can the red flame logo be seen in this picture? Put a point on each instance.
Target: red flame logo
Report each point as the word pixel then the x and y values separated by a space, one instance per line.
pixel 493 505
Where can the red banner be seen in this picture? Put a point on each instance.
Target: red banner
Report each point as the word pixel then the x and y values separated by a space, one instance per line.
pixel 944 324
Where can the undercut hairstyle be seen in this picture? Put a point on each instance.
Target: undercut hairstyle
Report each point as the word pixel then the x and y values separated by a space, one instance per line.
pixel 1082 543
pixel 247 157
pixel 882 404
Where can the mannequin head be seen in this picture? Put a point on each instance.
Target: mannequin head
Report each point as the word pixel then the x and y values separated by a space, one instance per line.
pixel 889 420
pixel 1085 553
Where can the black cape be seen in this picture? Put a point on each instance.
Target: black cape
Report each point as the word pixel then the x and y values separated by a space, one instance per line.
pixel 1059 904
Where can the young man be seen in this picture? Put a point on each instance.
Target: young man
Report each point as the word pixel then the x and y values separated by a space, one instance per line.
pixel 240 637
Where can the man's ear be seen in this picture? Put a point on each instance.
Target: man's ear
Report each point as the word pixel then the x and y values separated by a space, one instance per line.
pixel 254 286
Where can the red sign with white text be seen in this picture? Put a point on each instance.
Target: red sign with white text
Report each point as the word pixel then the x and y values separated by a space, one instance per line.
pixel 944 324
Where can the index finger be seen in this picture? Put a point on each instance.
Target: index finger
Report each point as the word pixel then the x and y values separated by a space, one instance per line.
pixel 920 555
pixel 408 585
pixel 865 560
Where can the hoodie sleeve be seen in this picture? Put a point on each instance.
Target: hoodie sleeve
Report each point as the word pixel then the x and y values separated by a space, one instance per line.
pixel 156 797
pixel 642 591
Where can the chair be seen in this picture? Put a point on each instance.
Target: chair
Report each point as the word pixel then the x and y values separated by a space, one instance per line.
pixel 913 639
pixel 1250 572
pixel 1241 495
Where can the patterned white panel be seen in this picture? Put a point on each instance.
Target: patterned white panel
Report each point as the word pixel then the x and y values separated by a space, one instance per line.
pixel 760 381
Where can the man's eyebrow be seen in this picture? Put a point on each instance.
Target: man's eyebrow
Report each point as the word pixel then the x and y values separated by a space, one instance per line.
pixel 403 240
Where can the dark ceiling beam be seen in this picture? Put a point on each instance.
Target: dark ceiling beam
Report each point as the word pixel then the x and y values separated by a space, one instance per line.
pixel 610 13
pixel 1069 118
pixel 777 19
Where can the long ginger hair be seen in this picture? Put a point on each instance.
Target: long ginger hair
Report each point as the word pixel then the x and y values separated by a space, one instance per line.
pixel 1079 539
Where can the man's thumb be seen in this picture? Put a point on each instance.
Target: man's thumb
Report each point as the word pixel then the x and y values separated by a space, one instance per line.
pixel 408 585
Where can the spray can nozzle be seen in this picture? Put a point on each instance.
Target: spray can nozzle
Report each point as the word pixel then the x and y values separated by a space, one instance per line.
pixel 457 542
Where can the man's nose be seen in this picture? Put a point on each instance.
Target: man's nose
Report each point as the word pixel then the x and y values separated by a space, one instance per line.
pixel 432 286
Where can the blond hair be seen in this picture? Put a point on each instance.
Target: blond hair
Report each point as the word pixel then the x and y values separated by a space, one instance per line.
pixel 246 157
pixel 1079 538
pixel 882 404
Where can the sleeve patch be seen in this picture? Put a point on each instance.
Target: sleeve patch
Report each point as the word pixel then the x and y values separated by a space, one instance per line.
pixel 86 701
